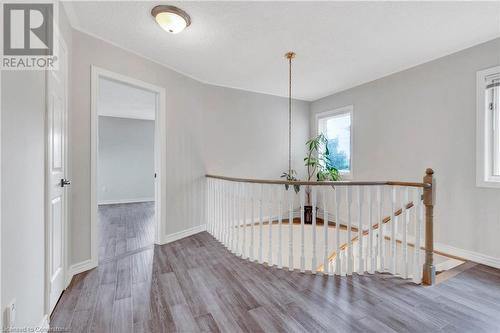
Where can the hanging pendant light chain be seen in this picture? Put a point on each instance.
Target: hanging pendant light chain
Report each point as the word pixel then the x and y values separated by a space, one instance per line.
pixel 290 55
pixel 290 116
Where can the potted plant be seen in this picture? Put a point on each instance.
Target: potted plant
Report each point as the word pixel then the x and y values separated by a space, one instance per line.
pixel 319 166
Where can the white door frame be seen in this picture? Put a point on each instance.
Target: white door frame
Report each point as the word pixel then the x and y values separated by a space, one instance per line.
pixel 159 151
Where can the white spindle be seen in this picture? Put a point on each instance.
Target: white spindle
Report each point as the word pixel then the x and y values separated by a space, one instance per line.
pixel 406 221
pixel 232 216
pixel 361 268
pixel 226 214
pixel 302 248
pixel 209 207
pixel 261 219
pixel 219 213
pixel 213 206
pixel 220 216
pixel 371 257
pixel 280 236
pixel 244 222
pixel 393 230
pixel 314 258
pixel 290 227
pixel 270 218
pixel 227 210
pixel 238 218
pixel 337 231
pixel 417 273
pixel 381 228
pixel 326 266
pixel 251 252
pixel 350 257
pixel 223 212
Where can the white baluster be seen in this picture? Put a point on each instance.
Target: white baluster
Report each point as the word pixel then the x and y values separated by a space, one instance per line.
pixel 244 222
pixel 270 236
pixel 214 207
pixel 302 246
pixel 361 261
pixel 230 203
pixel 280 237
pixel 222 211
pixel 350 257
pixel 344 261
pixel 225 203
pixel 219 209
pixel 337 231
pixel 371 257
pixel 290 227
pixel 381 228
pixel 326 266
pixel 252 221
pixel 219 213
pixel 393 231
pixel 417 272
pixel 235 218
pixel 261 219
pixel 314 258
pixel 406 221
pixel 228 214
pixel 209 210
pixel 238 218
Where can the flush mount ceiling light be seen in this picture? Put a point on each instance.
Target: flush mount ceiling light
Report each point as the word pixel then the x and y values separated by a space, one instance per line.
pixel 170 18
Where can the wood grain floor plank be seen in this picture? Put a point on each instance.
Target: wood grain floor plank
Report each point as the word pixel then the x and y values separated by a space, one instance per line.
pixel 196 285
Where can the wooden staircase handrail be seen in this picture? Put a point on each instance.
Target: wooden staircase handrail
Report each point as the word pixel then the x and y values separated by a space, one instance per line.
pixel 385 220
pixel 323 183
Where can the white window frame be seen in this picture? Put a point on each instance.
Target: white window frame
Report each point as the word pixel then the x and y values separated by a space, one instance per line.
pixel 485 132
pixel 334 113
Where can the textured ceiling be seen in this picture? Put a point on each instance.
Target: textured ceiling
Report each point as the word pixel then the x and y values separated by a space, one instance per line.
pixel 338 44
pixel 121 100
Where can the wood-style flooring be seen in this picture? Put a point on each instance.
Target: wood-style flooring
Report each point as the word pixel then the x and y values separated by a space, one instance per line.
pixel 196 285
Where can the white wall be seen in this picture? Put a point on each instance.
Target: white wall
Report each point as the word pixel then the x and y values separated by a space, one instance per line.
pixel 247 134
pixel 197 116
pixel 22 156
pixel 425 117
pixel 22 173
pixel 126 160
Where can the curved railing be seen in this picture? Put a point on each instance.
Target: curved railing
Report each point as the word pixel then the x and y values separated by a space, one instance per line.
pixel 340 228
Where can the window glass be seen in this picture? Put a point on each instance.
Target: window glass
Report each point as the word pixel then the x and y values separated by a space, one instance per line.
pixel 337 129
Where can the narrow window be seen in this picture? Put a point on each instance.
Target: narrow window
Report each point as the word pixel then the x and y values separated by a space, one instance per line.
pixel 488 127
pixel 493 98
pixel 336 126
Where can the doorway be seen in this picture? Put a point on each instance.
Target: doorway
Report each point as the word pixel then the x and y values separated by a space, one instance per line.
pixel 126 165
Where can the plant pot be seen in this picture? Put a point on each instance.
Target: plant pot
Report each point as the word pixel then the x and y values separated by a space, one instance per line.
pixel 308 214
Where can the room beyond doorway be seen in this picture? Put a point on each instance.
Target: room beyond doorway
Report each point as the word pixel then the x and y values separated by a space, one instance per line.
pixel 126 162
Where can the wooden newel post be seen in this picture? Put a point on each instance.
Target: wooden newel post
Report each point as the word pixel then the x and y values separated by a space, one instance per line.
pixel 429 271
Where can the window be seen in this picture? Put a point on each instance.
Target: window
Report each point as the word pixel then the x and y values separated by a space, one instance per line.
pixel 488 128
pixel 336 126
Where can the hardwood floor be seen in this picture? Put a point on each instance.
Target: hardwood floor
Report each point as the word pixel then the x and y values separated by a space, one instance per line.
pixel 125 228
pixel 196 285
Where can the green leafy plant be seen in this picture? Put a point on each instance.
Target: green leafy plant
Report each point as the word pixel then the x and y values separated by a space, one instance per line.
pixel 291 176
pixel 318 160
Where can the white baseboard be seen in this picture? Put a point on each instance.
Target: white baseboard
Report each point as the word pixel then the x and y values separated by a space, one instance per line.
pixel 469 255
pixel 182 234
pixel 79 268
pixel 44 324
pixel 124 201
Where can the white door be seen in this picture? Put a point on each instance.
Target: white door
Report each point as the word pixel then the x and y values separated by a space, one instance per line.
pixel 56 177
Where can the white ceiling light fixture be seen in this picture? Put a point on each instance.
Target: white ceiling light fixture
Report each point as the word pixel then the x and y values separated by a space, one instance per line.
pixel 171 18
